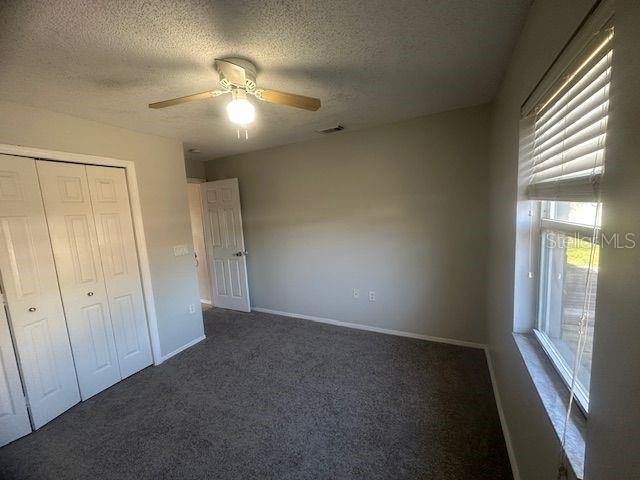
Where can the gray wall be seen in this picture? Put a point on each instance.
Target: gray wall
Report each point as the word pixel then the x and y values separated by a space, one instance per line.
pixel 400 210
pixel 614 409
pixel 614 417
pixel 163 194
pixel 194 168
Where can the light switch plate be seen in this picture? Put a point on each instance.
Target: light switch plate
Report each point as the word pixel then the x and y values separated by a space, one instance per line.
pixel 180 250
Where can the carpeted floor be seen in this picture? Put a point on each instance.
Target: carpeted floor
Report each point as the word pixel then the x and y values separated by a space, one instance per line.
pixel 268 397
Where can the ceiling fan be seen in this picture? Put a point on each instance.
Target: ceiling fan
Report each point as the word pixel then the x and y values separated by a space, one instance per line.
pixel 238 78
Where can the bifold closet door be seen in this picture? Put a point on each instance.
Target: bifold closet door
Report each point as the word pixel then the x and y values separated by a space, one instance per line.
pixel 67 202
pixel 112 211
pixel 31 290
pixel 14 419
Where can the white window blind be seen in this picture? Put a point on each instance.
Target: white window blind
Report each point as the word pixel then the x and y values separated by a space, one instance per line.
pixel 570 128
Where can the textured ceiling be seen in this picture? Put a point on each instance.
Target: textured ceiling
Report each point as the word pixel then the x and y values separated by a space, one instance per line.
pixel 370 62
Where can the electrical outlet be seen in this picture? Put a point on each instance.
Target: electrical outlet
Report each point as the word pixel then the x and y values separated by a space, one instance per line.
pixel 192 308
pixel 372 296
pixel 356 293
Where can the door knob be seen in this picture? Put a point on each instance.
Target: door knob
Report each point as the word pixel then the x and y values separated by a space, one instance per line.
pixel 90 294
pixel 32 309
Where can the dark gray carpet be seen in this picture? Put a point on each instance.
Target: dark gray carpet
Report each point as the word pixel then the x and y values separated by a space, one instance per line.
pixel 268 397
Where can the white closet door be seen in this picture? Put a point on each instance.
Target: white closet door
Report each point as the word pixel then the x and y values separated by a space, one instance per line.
pixel 31 290
pixel 110 201
pixel 14 419
pixel 65 192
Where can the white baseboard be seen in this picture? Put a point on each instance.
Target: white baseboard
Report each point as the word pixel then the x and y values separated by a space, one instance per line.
pixel 503 419
pixel 206 302
pixel 182 348
pixel 358 326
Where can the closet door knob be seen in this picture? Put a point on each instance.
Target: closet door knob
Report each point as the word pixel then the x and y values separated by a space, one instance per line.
pixel 32 309
pixel 90 294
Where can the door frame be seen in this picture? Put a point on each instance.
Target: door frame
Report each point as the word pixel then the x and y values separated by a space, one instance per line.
pixel 136 214
pixel 199 181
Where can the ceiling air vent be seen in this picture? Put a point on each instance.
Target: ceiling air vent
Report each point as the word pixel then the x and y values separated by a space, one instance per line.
pixel 337 128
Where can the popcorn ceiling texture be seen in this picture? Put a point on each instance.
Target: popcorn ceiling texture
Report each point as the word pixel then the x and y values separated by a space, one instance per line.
pixel 370 62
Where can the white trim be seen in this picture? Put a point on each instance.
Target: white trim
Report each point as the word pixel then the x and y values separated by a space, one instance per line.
pixel 581 396
pixel 195 180
pixel 503 418
pixel 182 348
pixel 206 302
pixel 136 214
pixel 583 231
pixel 358 326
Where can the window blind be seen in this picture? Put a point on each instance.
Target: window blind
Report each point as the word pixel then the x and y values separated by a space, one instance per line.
pixel 570 128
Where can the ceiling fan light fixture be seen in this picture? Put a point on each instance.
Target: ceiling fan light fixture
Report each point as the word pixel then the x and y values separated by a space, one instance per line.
pixel 240 110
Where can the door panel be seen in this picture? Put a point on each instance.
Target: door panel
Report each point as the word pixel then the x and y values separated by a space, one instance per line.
pixel 124 309
pixel 221 277
pixel 110 204
pixel 31 290
pixel 79 241
pixel 214 226
pixel 22 255
pixel 14 419
pixel 225 244
pixel 235 277
pixel 65 192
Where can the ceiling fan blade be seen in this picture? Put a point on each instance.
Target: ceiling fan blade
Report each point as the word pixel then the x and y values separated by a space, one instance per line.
pixel 291 99
pixel 188 98
pixel 235 74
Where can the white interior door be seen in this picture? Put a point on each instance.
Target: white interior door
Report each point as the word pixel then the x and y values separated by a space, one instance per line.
pixel 197 230
pixel 112 214
pixel 31 290
pixel 225 244
pixel 65 192
pixel 14 419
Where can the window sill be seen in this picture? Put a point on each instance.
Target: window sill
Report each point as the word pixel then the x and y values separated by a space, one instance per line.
pixel 555 398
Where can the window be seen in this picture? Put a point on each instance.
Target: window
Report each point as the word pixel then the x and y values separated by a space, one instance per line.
pixel 564 140
pixel 568 283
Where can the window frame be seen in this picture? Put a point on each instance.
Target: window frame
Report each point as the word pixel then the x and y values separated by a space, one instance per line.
pixel 576 230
